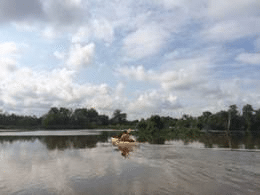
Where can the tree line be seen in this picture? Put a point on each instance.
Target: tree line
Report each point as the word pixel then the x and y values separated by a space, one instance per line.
pixel 64 118
pixel 157 129
pixel 248 120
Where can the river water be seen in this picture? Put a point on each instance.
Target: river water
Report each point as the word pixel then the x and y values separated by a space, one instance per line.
pixel 81 162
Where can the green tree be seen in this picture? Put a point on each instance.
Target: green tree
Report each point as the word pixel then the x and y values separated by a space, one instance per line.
pixel 203 121
pixel 256 122
pixel 248 116
pixel 103 120
pixel 118 117
pixel 236 121
pixel 80 118
pixel 219 121
pixel 65 116
pixel 51 118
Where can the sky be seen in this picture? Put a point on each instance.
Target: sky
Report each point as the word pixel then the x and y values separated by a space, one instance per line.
pixel 144 57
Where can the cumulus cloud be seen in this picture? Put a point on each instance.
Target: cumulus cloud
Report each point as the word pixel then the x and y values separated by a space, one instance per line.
pixel 26 89
pixel 249 58
pixel 8 48
pixel 184 78
pixel 221 95
pixel 103 30
pixel 109 100
pixel 82 34
pixel 191 72
pixel 8 63
pixel 100 29
pixel 80 56
pixel 7 66
pixel 153 102
pixel 137 73
pixel 145 42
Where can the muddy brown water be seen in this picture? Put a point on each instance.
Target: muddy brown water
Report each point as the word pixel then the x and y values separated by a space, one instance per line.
pixel 80 163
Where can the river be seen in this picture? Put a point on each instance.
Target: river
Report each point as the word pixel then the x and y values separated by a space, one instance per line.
pixel 81 162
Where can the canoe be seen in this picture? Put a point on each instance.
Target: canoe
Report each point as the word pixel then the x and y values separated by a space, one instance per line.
pixel 116 142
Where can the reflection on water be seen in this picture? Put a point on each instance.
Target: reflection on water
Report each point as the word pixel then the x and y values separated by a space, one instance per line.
pixel 60 142
pixel 91 165
pixel 235 141
pixel 126 150
pixel 89 139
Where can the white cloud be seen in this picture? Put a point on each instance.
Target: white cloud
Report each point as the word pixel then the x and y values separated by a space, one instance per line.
pixel 119 89
pixel 100 29
pixel 103 30
pixel 136 73
pixel 187 74
pixel 8 48
pixel 49 32
pixel 7 66
pixel 153 102
pixel 228 20
pixel 22 90
pixel 59 55
pixel 249 58
pixel 80 56
pixel 222 9
pixel 26 89
pixel 109 100
pixel 194 9
pixel 82 34
pixel 184 78
pixel 145 42
pixel 232 29
pixel 7 59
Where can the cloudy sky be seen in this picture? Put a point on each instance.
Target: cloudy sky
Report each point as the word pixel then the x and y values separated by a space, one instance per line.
pixel 144 57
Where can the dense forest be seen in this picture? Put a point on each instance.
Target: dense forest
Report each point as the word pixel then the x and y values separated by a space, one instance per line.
pixel 82 118
pixel 157 129
pixel 63 118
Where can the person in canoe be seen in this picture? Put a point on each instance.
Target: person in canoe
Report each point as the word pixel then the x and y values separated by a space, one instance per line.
pixel 125 137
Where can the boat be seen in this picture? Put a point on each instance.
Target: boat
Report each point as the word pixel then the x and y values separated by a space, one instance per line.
pixel 116 142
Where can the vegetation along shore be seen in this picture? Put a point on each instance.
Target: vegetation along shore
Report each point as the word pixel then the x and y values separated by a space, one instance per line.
pixel 155 129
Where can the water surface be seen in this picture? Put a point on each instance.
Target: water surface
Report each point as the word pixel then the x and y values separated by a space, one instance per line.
pixel 85 164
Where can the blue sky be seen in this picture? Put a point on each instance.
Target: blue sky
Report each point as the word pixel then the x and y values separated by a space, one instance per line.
pixel 145 57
